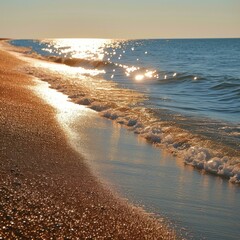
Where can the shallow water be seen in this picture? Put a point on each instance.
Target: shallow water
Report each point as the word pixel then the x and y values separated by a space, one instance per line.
pixel 205 206
pixel 199 206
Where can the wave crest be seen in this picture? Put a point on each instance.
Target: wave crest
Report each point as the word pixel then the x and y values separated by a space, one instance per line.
pixel 78 62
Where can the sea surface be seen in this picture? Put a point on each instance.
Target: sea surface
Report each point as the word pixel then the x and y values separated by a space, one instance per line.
pixel 181 98
pixel 179 94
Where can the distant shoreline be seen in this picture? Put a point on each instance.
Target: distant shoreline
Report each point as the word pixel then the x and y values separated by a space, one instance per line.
pixel 3 39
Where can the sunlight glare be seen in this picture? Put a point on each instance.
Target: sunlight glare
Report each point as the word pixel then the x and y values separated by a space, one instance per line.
pixel 149 74
pixel 139 77
pixel 83 48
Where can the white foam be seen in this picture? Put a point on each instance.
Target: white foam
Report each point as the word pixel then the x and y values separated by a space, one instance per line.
pixel 202 159
pixel 196 156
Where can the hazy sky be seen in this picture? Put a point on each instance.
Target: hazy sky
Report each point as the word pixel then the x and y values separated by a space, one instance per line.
pixel 119 19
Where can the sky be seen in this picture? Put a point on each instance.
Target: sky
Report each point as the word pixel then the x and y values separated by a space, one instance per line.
pixel 120 19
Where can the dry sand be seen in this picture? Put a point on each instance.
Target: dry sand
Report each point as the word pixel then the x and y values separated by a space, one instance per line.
pixel 46 189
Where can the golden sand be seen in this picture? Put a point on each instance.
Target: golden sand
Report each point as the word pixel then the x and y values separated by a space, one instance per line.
pixel 46 189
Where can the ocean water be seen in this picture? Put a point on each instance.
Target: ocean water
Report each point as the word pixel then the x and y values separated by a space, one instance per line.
pixel 193 77
pixel 183 95
pixel 197 206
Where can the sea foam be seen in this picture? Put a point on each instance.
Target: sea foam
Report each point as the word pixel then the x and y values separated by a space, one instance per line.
pixel 124 106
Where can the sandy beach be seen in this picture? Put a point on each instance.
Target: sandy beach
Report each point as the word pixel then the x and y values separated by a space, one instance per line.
pixel 46 189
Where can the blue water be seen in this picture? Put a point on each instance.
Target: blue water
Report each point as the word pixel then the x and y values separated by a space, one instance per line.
pixel 215 63
pixel 194 83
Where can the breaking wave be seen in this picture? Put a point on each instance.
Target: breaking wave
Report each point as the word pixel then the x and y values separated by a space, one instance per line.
pixel 126 107
pixel 78 62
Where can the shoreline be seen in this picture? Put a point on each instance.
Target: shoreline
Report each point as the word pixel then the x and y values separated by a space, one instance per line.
pixel 197 150
pixel 46 188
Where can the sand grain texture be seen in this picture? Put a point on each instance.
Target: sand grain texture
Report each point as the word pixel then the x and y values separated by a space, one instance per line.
pixel 46 190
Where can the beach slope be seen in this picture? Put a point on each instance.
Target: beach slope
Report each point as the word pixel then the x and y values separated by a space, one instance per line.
pixel 46 189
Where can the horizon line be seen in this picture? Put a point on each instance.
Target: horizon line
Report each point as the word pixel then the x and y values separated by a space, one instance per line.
pixel 147 38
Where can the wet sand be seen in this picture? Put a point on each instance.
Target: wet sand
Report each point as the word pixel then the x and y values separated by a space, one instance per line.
pixel 46 189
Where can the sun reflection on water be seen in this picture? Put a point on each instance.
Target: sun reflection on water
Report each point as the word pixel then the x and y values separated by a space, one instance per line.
pixel 84 48
pixel 139 77
pixel 111 53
